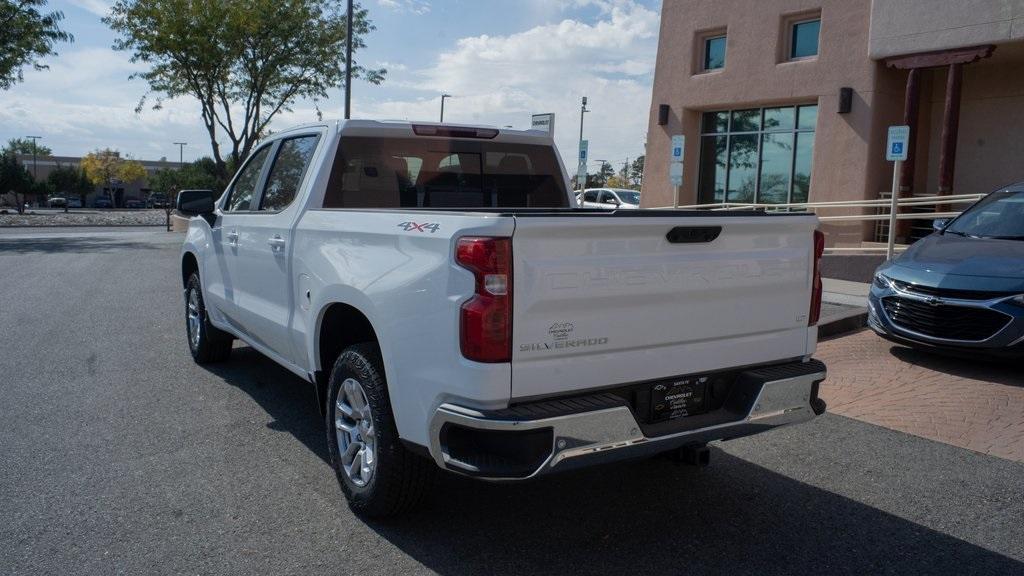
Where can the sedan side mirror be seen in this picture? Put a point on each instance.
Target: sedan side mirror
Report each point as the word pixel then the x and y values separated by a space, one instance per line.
pixel 939 224
pixel 195 202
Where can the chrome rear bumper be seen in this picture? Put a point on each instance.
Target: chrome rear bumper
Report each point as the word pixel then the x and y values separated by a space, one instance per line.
pixel 612 433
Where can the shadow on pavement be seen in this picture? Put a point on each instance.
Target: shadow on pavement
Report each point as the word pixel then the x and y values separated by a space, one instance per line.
pixel 72 245
pixel 978 367
pixel 284 396
pixel 640 517
pixel 654 517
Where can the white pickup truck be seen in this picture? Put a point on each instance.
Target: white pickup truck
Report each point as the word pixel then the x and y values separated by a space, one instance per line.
pixel 453 308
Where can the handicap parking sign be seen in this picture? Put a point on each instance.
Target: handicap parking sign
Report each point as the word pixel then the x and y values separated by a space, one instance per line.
pixel 897 143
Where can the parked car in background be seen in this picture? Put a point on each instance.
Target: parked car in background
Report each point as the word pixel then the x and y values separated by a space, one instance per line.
pixel 134 203
pixel 961 288
pixel 157 200
pixel 74 202
pixel 610 198
pixel 57 202
pixel 102 202
pixel 474 320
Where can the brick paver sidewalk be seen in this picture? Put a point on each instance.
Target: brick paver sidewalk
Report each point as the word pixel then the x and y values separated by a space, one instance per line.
pixel 973 404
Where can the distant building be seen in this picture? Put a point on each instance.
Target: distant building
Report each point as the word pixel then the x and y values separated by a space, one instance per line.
pixel 789 100
pixel 43 165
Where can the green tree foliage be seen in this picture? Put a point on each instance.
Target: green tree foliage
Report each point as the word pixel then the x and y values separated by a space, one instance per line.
pixel 244 62
pixel 600 179
pixel 27 35
pixel 63 181
pixel 24 146
pixel 199 175
pixel 636 172
pixel 14 179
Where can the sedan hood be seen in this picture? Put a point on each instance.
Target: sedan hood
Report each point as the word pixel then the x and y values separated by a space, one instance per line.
pixel 950 255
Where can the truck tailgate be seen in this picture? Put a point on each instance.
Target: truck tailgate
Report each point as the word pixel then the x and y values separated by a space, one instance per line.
pixel 601 300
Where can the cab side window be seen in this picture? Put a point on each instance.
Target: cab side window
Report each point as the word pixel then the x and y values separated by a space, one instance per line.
pixel 607 198
pixel 242 191
pixel 288 171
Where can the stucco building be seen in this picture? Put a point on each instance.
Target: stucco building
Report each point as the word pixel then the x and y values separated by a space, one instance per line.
pixel 789 100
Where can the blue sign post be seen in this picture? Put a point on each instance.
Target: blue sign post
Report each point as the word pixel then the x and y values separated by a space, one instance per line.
pixel 896 146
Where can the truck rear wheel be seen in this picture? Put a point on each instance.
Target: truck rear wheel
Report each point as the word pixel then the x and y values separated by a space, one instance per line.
pixel 206 342
pixel 378 474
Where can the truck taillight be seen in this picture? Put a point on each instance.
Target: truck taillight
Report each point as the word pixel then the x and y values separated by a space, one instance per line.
pixel 485 331
pixel 819 249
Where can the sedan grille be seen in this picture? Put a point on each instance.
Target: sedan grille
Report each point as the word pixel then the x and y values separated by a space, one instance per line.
pixel 949 292
pixel 944 320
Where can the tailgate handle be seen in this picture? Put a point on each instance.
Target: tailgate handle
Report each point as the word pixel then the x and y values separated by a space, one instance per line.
pixel 693 234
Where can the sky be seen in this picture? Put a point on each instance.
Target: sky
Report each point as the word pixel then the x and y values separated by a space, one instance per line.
pixel 501 60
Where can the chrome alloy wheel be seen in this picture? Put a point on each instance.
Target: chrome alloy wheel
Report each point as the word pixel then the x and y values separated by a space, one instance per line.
pixel 194 318
pixel 356 437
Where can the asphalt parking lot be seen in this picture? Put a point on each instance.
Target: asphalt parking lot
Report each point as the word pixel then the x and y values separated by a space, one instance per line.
pixel 119 455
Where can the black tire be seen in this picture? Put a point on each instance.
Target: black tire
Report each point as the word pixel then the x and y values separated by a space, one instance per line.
pixel 212 343
pixel 400 478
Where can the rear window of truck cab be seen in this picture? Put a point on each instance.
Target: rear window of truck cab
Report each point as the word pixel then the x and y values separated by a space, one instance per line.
pixel 443 173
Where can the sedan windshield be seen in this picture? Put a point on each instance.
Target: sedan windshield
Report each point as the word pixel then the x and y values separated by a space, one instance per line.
pixel 998 215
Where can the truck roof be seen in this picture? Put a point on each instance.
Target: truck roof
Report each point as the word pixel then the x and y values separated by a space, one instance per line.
pixel 404 129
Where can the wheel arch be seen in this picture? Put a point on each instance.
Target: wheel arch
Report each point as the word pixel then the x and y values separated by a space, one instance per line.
pixel 189 265
pixel 339 326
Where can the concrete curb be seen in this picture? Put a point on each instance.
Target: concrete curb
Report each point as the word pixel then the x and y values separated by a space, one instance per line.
pixel 161 225
pixel 844 323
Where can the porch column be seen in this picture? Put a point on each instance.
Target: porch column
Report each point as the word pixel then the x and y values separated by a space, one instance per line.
pixel 910 109
pixel 911 101
pixel 950 127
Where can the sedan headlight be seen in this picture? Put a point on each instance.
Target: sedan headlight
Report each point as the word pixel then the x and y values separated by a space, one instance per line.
pixel 882 281
pixel 1018 300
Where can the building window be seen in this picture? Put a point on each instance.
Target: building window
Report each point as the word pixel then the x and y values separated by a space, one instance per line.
pixel 803 38
pixel 757 155
pixel 709 47
pixel 714 53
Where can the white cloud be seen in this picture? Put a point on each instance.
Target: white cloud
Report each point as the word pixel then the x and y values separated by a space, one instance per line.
pixel 85 101
pixel 414 6
pixel 97 7
pixel 501 80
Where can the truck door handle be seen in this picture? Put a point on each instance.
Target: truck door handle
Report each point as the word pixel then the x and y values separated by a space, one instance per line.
pixel 276 243
pixel 232 237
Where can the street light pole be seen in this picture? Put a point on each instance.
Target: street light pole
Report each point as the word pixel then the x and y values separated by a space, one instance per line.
pixel 181 153
pixel 443 96
pixel 583 110
pixel 348 62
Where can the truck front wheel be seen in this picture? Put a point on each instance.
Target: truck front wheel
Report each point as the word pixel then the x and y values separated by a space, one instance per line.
pixel 206 342
pixel 378 474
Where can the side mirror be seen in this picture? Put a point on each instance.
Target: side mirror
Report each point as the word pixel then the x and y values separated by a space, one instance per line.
pixel 195 202
pixel 939 224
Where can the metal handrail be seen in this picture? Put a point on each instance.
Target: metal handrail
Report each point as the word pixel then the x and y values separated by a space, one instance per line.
pixel 882 215
pixel 880 203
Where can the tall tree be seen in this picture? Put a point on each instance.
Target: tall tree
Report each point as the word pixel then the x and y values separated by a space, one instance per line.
pixel 636 171
pixel 27 35
pixel 24 146
pixel 245 62
pixel 108 169
pixel 14 179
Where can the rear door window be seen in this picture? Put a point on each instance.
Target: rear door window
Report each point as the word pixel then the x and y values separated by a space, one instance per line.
pixel 443 173
pixel 590 196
